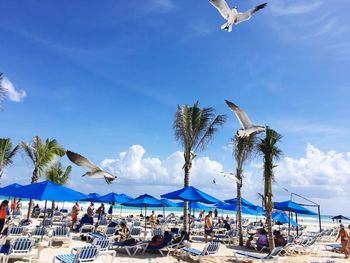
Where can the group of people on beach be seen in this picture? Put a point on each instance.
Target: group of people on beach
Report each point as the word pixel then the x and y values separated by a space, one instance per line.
pixel 344 239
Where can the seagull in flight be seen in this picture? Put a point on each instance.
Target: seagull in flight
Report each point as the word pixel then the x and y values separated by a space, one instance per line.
pixel 247 126
pixel 94 171
pixel 232 15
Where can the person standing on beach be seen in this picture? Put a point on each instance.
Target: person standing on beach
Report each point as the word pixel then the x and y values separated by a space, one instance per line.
pixel 90 210
pixel 153 220
pixel 110 209
pixel 3 213
pixel 19 205
pixel 75 212
pixel 344 239
pixel 208 227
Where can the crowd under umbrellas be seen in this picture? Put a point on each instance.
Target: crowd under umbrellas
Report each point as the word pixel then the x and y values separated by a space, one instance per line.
pixel 197 199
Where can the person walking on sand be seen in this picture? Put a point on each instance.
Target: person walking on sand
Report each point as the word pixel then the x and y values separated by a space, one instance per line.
pixel 344 239
pixel 208 227
pixel 75 212
pixel 3 213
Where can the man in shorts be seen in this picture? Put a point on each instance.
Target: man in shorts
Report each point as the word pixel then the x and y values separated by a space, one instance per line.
pixel 208 227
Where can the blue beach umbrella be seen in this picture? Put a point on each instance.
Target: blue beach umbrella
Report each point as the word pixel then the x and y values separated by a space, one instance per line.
pixel 145 201
pixel 193 205
pixel 127 196
pixel 92 197
pixel 244 202
pixel 113 197
pixel 234 207
pixel 292 207
pixel 7 190
pixel 191 194
pixel 283 218
pixel 47 190
pixel 168 202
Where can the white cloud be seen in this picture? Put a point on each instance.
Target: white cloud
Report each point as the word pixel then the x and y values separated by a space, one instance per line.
pixel 318 174
pixel 133 166
pixel 282 9
pixel 11 92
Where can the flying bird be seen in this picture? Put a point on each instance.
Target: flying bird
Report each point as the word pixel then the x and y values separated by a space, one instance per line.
pixel 247 126
pixel 232 15
pixel 214 181
pixel 94 171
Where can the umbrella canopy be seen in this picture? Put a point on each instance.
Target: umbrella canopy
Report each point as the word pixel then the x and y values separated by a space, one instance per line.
pixel 113 197
pixel 283 218
pixel 244 202
pixel 47 190
pixel 168 202
pixel 7 190
pixel 334 217
pixel 191 194
pixel 293 207
pixel 145 200
pixel 234 207
pixel 126 196
pixel 192 205
pixel 92 197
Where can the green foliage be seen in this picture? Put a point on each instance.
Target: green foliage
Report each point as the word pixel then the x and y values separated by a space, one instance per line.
pixel 57 173
pixel 7 153
pixel 42 153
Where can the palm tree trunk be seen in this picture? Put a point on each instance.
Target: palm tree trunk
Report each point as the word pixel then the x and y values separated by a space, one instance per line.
pixel 35 179
pixel 239 205
pixel 268 207
pixel 186 183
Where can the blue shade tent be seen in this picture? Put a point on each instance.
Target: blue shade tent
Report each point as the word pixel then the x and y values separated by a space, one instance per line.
pixel 234 207
pixel 113 197
pixel 283 218
pixel 47 190
pixel 92 197
pixel 7 190
pixel 244 202
pixel 145 201
pixel 191 194
pixel 168 202
pixel 193 205
pixel 127 196
pixel 292 207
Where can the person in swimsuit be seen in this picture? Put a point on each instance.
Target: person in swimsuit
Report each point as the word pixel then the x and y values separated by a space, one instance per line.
pixel 208 227
pixel 153 220
pixel 344 238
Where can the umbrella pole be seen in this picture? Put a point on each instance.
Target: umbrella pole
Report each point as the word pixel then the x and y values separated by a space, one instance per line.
pixel 319 217
pixel 164 213
pixel 121 210
pixel 42 234
pixel 145 222
pixel 289 223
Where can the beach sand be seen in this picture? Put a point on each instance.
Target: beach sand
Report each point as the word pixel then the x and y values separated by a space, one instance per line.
pixel 225 253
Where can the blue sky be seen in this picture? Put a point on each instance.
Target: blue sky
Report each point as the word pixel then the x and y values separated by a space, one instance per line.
pixel 102 78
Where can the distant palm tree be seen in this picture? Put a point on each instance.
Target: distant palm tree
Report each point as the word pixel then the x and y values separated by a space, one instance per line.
pixel 41 154
pixel 194 128
pixel 243 149
pixel 58 174
pixel 270 152
pixel 6 153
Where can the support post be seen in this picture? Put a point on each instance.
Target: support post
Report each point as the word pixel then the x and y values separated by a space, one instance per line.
pixel 319 217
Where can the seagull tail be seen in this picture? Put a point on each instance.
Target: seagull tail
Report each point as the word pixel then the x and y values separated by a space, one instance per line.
pixel 227 26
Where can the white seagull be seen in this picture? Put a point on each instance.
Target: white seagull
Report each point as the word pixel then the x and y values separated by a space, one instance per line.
pixel 247 126
pixel 232 15
pixel 95 171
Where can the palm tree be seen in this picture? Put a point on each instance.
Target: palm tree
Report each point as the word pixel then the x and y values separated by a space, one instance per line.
pixel 58 174
pixel 194 128
pixel 242 151
pixel 270 152
pixel 6 153
pixel 41 154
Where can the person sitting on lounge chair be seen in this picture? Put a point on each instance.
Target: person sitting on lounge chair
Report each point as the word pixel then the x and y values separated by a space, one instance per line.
pixel 123 232
pixel 279 239
pixel 262 240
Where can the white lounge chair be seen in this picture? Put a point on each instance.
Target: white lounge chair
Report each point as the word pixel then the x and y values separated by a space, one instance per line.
pixel 84 254
pixel 20 248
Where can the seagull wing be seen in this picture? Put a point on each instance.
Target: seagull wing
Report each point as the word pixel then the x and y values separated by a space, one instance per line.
pixel 81 160
pixel 222 7
pixel 240 114
pixel 247 15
